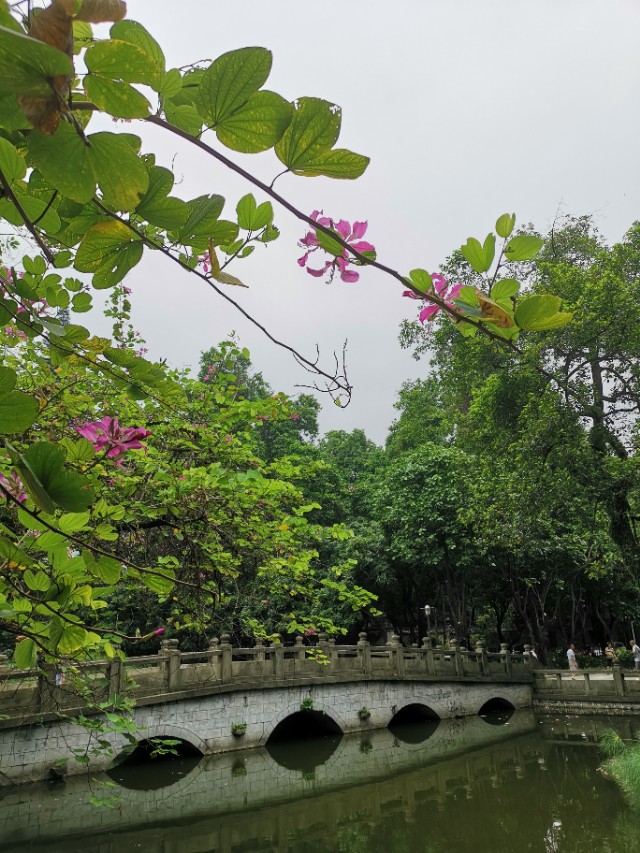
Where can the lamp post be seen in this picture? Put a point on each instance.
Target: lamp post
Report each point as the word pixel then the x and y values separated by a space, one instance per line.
pixel 427 613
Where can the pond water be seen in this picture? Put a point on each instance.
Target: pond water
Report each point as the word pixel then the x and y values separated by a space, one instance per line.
pixel 502 784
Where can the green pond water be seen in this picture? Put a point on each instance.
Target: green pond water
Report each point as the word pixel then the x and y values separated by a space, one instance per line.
pixel 494 785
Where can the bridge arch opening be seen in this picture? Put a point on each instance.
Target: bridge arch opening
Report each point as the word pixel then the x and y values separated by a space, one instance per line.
pixel 155 763
pixel 304 740
pixel 415 723
pixel 497 711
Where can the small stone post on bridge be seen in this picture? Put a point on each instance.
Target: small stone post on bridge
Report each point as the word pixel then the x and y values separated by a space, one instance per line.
pixel 278 660
pixel 428 656
pixel 506 657
pixel 227 659
pixel 481 657
pixel 397 655
pixel 364 652
pixel 169 655
pixel 618 678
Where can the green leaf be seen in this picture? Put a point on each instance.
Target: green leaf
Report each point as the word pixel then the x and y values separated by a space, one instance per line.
pixel 11 163
pixel 313 131
pixel 135 33
pixel 170 84
pixel 523 248
pixel 252 217
pixel 156 207
pixel 13 554
pixel 120 173
pixel 160 585
pixel 338 163
pixel 505 225
pixel 42 470
pixel 64 162
pixel 184 116
pixel 72 639
pixel 78 451
pixel 203 212
pixel 231 80
pixel 36 581
pixel 81 302
pixel 116 98
pixel 505 289
pixel 121 60
pixel 73 168
pixel 422 280
pixel 480 257
pixel 11 116
pixel 82 36
pixel 107 569
pixel 25 654
pixel 27 64
pixel 257 125
pixel 109 250
pixel 540 312
pixel 72 522
pixel 17 409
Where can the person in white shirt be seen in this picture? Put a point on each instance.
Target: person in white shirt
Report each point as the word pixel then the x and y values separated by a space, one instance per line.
pixel 571 657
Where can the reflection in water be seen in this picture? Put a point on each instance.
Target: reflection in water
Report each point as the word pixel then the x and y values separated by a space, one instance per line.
pixel 469 788
pixel 417 731
pixel 303 741
pixel 303 755
pixel 497 718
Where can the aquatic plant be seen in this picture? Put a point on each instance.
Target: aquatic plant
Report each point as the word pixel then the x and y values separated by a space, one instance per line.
pixel 622 765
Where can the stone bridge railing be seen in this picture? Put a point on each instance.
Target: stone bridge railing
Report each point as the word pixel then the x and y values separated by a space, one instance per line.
pixel 172 674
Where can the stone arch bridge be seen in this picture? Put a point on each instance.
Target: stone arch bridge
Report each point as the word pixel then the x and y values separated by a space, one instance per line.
pixel 232 698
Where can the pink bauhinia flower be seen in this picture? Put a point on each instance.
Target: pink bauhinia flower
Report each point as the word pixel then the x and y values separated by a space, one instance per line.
pixel 107 434
pixel 352 234
pixel 442 289
pixel 14 486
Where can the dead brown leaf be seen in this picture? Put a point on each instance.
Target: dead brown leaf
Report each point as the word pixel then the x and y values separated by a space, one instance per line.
pixel 99 11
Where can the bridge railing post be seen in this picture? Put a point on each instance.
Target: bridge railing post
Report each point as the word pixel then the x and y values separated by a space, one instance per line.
pixel 114 676
pixel 428 661
pixel 259 649
pixel 457 657
pixel 364 653
pixel 397 655
pixel 332 651
pixel 481 657
pixel 618 678
pixel 278 660
pixel 227 659
pixel 299 651
pixel 506 657
pixel 170 662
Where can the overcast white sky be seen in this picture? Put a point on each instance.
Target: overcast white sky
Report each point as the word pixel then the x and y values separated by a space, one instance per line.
pixel 467 108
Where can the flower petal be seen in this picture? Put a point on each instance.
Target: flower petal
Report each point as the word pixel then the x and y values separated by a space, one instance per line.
pixel 359 230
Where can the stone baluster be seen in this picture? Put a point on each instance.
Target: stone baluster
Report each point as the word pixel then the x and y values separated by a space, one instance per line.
pixel 259 649
pixel 172 665
pixel 299 652
pixel 506 657
pixel 364 652
pixel 227 659
pixel 278 660
pixel 457 657
pixel 481 657
pixel 397 655
pixel 428 661
pixel 618 678
pixel 213 651
pixel 114 675
pixel 332 651
pixel 323 643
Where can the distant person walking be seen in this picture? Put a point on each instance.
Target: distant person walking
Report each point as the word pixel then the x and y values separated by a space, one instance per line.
pixel 571 657
pixel 610 654
pixel 636 655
